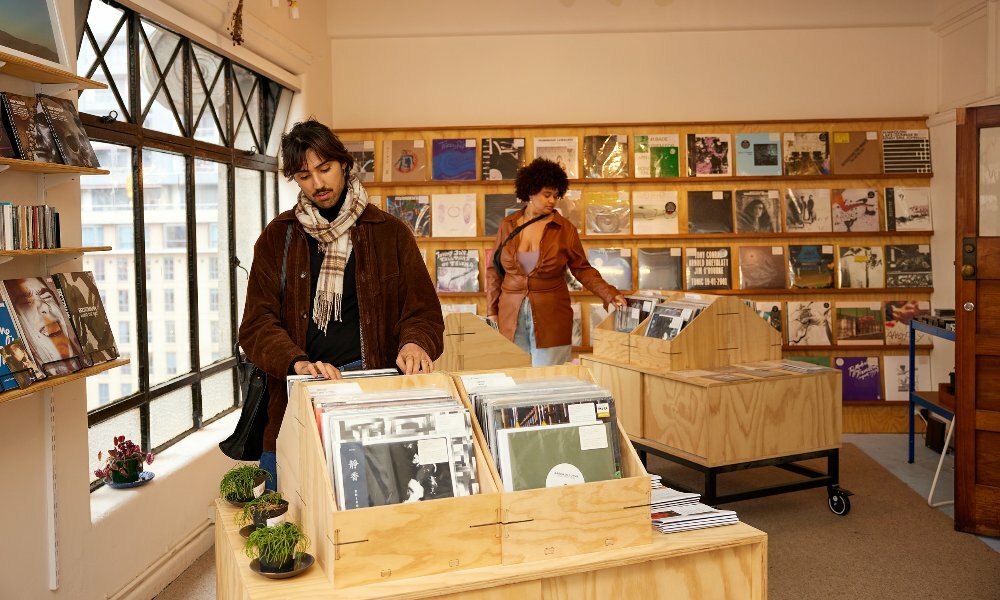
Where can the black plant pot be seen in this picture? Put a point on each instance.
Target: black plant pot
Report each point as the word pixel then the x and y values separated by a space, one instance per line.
pixel 261 478
pixel 260 517
pixel 282 565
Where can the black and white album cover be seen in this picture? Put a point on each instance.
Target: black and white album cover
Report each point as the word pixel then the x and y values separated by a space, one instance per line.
pixel 67 131
pixel 501 158
pixel 457 270
pixel 908 266
pixel 710 211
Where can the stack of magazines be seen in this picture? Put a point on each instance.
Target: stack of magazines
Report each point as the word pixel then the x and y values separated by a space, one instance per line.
pixel 397 446
pixel 668 319
pixel 673 511
pixel 547 432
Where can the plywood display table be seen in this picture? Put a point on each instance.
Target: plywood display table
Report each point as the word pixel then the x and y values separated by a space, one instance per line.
pixel 721 562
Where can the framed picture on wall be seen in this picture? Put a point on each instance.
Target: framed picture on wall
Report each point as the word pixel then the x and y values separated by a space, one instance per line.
pixel 31 30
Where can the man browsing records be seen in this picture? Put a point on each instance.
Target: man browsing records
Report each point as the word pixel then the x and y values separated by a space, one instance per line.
pixel 357 292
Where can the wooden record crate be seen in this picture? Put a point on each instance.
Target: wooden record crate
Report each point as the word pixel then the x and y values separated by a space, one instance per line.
pixel 379 543
pixel 564 521
pixel 725 332
pixel 608 341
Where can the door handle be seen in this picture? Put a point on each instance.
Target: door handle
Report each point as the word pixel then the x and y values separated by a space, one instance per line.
pixel 968 307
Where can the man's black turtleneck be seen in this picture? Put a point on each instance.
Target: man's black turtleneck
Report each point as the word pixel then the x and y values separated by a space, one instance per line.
pixel 342 342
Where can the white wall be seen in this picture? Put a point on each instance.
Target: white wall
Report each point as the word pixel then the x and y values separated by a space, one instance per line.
pixel 115 543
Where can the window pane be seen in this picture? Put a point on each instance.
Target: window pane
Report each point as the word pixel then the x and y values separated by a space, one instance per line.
pixel 212 216
pixel 101 437
pixel 211 104
pixel 166 242
pixel 217 394
pixel 246 95
pixel 248 219
pixel 170 416
pixel 118 265
pixel 989 183
pixel 102 21
pixel 168 107
pixel 270 201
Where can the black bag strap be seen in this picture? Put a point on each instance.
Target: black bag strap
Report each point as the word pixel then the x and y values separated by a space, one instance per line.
pixel 496 254
pixel 240 359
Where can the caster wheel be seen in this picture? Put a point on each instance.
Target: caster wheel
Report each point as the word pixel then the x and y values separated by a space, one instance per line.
pixel 839 504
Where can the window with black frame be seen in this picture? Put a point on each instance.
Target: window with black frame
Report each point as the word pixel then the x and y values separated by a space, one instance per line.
pixel 184 132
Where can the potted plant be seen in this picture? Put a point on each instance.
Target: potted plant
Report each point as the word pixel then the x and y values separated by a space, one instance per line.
pixel 124 462
pixel 263 511
pixel 243 483
pixel 276 547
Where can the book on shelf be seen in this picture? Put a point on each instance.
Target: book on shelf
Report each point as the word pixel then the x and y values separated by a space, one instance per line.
pixel 859 323
pixel 82 301
pixel 43 324
pixel 454 215
pixel 576 339
pixel 19 366
pixel 908 209
pixel 657 155
pixel 563 151
pixel 68 133
pixel 32 139
pixel 762 267
pixel 898 316
pixel 809 323
pixel 605 156
pixel 906 151
pixel 758 154
pixel 453 159
pixel 709 155
pixel 7 148
pixel 570 206
pixel 861 267
pixel 404 160
pixel 770 311
pixel 606 213
pixel 614 264
pixel 28 227
pixel 810 266
pixel 496 208
pixel 897 375
pixel 758 211
pixel 363 153
pixel 856 153
pixel 502 157
pixel 807 210
pixel 710 211
pixel 457 270
pixel 654 213
pixel 908 266
pixel 660 268
pixel 415 211
pixel 861 378
pixel 709 268
pixel 806 153
pixel 855 209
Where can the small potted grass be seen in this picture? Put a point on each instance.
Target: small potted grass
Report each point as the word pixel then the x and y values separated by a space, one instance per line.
pixel 276 547
pixel 263 511
pixel 243 483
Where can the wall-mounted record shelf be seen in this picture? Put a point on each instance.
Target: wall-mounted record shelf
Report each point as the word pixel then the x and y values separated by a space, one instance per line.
pixel 51 382
pixel 16 66
pixel 41 168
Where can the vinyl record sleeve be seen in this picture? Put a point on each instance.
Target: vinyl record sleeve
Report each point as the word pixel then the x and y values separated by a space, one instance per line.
pixel 556 455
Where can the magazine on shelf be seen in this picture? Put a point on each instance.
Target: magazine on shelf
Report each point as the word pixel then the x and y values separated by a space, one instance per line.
pixel 898 316
pixel 614 264
pixel 758 154
pixel 415 211
pixel 8 334
pixel 709 268
pixel 660 268
pixel 404 160
pixel 70 137
pixel 855 210
pixel 710 211
pixel 688 517
pixel 561 150
pixel 709 155
pixel 762 267
pixel 496 208
pixel 7 148
pixel 861 378
pixel 43 324
pixel 807 210
pixel 20 368
pixel 856 153
pixel 453 215
pixel 453 159
pixel 363 153
pixel 654 213
pixel 501 158
pixel 457 270
pixel 605 156
pixel 810 323
pixel 807 153
pixel 19 118
pixel 908 209
pixel 758 211
pixel 82 301
pixel 810 266
pixel 861 267
pixel 859 323
pixel 606 213
pixel 657 155
pixel 906 151
pixel 908 266
pixel 897 375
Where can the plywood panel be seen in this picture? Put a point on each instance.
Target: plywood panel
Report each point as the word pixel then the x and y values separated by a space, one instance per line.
pixel 626 387
pixel 874 418
pixel 469 343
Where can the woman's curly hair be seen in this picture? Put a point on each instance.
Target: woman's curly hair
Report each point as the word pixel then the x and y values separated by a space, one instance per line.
pixel 541 173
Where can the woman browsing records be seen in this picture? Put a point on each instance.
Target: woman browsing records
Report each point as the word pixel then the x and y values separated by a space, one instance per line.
pixel 528 296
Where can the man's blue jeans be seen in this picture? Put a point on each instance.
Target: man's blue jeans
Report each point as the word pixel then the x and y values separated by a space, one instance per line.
pixel 269 462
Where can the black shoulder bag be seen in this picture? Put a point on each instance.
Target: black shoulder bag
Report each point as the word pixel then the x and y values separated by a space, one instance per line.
pixel 496 254
pixel 247 440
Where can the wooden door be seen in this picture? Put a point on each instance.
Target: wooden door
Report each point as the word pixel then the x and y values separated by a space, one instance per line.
pixel 977 307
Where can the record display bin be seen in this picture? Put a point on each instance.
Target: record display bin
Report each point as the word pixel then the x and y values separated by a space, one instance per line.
pixel 380 543
pixel 609 342
pixel 557 522
pixel 470 343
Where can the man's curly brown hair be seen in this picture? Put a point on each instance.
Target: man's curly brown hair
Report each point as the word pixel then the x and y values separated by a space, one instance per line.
pixel 312 135
pixel 540 174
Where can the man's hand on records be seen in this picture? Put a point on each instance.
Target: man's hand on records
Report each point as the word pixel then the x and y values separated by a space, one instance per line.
pixel 412 360
pixel 318 368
